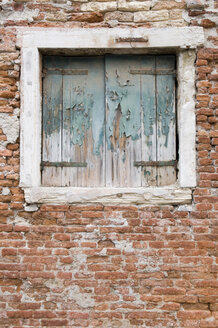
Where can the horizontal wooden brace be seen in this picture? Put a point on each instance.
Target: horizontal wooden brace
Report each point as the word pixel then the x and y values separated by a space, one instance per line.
pixel 63 164
pixel 155 163
pixel 145 71
pixel 65 71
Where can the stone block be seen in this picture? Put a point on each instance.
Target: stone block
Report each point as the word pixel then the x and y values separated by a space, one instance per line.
pixel 195 4
pixel 123 5
pixel 160 5
pixel 151 16
pixel 59 17
pixel 175 14
pixel 119 16
pixel 99 6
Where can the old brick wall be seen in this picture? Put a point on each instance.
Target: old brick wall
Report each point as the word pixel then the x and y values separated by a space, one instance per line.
pixel 95 266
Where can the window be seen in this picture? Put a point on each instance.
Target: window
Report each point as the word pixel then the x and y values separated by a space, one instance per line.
pixel 109 121
pixel 35 44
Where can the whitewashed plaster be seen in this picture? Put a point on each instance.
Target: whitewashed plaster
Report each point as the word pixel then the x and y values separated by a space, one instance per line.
pixel 177 40
pixel 186 118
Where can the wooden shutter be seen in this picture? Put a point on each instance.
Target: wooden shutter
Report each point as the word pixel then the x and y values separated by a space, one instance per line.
pixel 80 156
pixel 109 121
pixel 140 121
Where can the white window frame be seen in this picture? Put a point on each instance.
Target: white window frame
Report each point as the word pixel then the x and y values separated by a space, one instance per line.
pixel 182 41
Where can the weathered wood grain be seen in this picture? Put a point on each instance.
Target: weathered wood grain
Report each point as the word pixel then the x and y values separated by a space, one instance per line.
pixel 149 142
pixel 52 120
pixel 123 121
pixel 166 120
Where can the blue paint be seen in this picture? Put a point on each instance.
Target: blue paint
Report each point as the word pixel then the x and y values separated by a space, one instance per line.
pixel 52 104
pixel 123 101
pixel 148 97
pixel 84 95
pixel 147 173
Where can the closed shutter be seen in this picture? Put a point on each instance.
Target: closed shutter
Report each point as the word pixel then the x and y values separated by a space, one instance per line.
pixel 109 121
pixel 79 158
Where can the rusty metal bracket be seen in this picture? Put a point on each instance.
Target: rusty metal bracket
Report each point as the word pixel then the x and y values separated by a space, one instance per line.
pixel 132 39
pixel 65 71
pixel 145 71
pixel 63 164
pixel 156 163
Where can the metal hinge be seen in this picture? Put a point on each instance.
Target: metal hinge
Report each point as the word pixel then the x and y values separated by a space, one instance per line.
pixel 145 71
pixel 63 164
pixel 156 163
pixel 61 71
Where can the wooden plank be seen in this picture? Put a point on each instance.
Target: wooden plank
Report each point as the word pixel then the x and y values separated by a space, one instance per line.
pixel 123 122
pixel 166 120
pixel 149 142
pixel 83 122
pixel 52 120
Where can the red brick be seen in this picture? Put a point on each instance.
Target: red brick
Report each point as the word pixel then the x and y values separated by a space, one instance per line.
pixel 92 214
pixel 20 314
pixel 64 275
pixel 111 275
pixel 56 323
pixel 79 315
pixel 196 315
pixel 9 252
pixel 207 23
pixel 62 236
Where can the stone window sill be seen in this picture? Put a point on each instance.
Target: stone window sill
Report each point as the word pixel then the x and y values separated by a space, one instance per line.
pixel 172 195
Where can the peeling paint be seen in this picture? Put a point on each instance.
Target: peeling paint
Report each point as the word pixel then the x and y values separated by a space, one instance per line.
pixel 79 115
pixel 82 102
pixel 123 102
pixel 52 104
pixel 146 173
pixel 148 105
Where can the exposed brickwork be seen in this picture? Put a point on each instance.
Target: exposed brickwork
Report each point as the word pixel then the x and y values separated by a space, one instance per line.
pixel 95 266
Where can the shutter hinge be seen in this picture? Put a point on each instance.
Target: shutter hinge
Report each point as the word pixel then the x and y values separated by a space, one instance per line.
pixel 145 71
pixel 156 163
pixel 63 164
pixel 61 71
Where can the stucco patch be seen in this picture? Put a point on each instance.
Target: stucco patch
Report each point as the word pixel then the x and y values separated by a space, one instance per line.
pixel 26 14
pixel 10 126
pixel 82 299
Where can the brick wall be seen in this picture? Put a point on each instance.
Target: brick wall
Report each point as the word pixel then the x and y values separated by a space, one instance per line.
pixel 95 266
